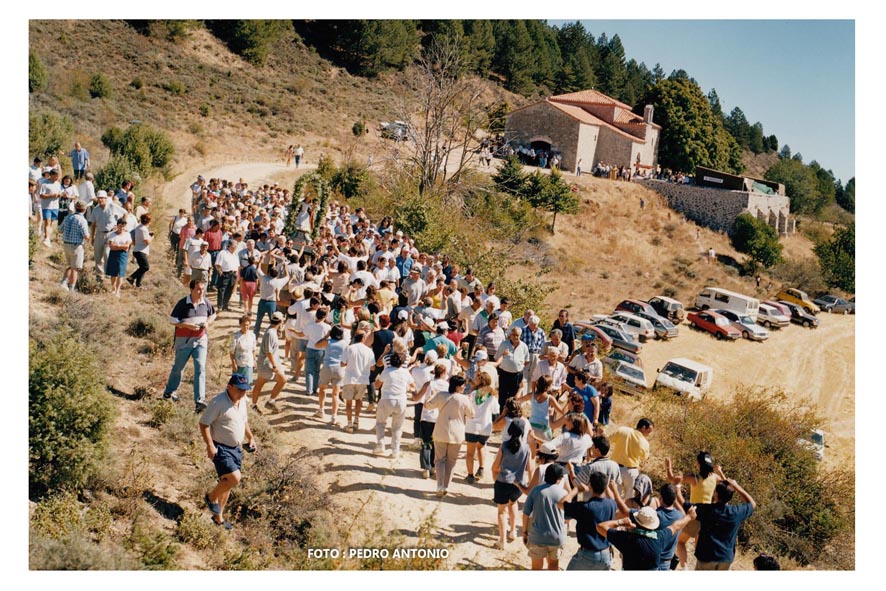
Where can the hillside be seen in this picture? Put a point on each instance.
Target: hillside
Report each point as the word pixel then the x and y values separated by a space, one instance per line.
pixel 246 111
pixel 313 485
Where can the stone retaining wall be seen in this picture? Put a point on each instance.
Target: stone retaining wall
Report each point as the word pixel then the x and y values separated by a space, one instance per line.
pixel 718 208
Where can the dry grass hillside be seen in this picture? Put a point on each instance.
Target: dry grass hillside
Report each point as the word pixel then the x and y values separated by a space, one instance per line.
pixel 216 105
pixel 613 249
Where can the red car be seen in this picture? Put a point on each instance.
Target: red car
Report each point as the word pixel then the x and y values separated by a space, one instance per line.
pixel 714 323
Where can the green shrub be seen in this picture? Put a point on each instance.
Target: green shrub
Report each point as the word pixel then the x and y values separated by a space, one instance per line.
pixel 837 259
pixel 100 86
pixel 194 529
pixel 113 173
pixel 69 414
pixel 56 516
pixel 175 87
pixel 147 148
pixel 756 239
pixel 161 412
pixel 251 39
pixel 37 76
pixel 205 110
pixel 156 548
pixel 801 506
pixel 351 181
pixel 137 83
pixel 48 133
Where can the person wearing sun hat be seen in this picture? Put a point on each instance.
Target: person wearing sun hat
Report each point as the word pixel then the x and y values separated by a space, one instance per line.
pixel 223 426
pixel 642 540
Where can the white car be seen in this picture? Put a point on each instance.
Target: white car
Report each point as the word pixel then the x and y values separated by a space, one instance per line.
pixel 749 329
pixel 633 324
pixel 771 317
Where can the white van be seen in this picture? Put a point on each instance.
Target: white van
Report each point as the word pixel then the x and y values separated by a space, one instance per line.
pixel 639 327
pixel 714 298
pixel 686 376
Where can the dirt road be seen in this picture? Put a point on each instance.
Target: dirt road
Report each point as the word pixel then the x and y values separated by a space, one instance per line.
pixel 376 492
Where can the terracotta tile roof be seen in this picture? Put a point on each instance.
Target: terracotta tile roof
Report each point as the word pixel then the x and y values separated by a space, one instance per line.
pixel 628 118
pixel 589 97
pixel 581 115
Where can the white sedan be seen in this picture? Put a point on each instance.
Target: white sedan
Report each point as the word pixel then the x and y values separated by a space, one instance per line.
pixel 746 325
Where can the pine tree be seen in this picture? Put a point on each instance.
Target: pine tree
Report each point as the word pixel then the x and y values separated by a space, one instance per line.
pixel 510 177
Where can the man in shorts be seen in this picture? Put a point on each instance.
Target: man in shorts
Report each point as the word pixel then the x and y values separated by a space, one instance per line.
pixel 75 231
pixel 223 426
pixel 50 194
pixel 544 525
pixel 269 366
pixel 358 360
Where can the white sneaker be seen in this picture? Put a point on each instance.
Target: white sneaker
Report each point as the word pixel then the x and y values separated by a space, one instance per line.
pixel 47 242
pixel 380 450
pixel 64 284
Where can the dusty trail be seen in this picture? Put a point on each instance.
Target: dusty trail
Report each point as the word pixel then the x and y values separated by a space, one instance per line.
pixel 815 364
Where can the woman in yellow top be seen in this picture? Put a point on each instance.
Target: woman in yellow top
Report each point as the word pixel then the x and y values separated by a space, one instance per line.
pixel 701 491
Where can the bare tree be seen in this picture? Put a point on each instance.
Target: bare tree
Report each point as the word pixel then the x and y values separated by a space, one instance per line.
pixel 444 117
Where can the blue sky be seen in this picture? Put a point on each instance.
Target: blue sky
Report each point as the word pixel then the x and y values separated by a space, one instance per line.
pixel 796 77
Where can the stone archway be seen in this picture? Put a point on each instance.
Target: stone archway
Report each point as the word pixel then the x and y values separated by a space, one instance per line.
pixel 782 223
pixel 773 220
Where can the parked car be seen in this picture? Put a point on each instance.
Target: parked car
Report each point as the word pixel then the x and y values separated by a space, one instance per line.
pixel 583 327
pixel 628 378
pixel 815 443
pixel 831 303
pixel 795 296
pixel 621 356
pixel 779 306
pixel 801 316
pixel 746 325
pixel 685 376
pixel 635 307
pixel 772 317
pixel 633 324
pixel 723 299
pixel 619 337
pixel 713 323
pixel 664 328
pixel 668 308
pixel 395 130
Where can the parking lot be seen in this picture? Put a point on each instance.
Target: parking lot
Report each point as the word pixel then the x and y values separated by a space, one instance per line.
pixel 815 365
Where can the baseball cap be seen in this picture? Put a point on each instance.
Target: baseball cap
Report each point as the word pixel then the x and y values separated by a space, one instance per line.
pixel 480 355
pixel 239 381
pixel 277 318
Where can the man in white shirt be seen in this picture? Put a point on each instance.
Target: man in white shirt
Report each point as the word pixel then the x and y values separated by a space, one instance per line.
pixel 314 331
pixel 357 360
pixel 227 264
pixel 87 189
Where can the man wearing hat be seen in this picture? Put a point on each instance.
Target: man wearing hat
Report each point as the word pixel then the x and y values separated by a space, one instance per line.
pixel 223 426
pixel 269 366
pixel 103 219
pixel 191 317
pixel 49 192
pixel 75 231
pixel 643 540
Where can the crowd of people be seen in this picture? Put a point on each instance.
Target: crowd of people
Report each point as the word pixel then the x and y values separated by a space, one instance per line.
pixel 109 220
pixel 376 327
